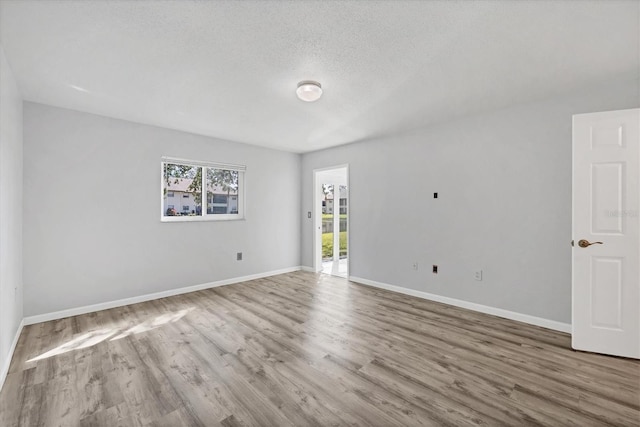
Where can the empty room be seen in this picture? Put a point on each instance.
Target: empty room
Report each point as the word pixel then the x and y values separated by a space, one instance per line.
pixel 319 213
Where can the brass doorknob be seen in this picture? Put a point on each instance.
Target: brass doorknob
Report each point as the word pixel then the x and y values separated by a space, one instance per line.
pixel 585 243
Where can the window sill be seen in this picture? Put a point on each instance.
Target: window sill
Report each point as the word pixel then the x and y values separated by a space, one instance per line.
pixel 210 218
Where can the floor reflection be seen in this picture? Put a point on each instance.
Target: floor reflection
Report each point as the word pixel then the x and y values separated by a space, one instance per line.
pixel 95 337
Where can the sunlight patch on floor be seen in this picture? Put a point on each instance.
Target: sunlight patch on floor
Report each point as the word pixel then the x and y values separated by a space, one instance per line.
pixel 95 337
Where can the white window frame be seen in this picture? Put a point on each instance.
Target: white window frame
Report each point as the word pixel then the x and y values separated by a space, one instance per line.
pixel 204 216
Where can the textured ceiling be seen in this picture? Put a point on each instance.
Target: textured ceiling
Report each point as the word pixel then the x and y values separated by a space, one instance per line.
pixel 229 69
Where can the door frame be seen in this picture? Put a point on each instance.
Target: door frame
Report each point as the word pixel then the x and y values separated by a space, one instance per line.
pixel 317 217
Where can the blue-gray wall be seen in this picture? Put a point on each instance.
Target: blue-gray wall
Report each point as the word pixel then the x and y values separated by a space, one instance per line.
pixel 504 206
pixel 81 247
pixel 10 212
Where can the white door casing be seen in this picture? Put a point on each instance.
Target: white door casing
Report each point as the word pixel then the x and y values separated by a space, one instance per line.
pixel 606 208
pixel 337 175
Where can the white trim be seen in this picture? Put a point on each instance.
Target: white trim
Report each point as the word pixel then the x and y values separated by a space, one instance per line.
pixel 30 320
pixel 216 165
pixel 204 201
pixel 308 269
pixel 317 222
pixel 7 363
pixel 317 217
pixel 512 315
pixel 348 220
pixel 206 217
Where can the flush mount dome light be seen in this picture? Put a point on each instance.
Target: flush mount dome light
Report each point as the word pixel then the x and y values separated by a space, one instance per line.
pixel 309 91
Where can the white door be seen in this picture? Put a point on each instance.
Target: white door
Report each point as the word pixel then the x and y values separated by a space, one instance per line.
pixel 606 233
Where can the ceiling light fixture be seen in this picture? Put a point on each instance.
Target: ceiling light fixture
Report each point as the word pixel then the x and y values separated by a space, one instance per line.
pixel 309 91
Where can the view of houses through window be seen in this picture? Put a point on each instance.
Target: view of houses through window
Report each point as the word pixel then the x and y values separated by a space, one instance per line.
pixel 182 192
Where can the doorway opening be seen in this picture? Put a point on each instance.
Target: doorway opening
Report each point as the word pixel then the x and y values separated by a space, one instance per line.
pixel 331 221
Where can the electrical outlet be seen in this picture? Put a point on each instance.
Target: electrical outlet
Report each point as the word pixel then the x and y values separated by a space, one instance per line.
pixel 478 275
pixel 239 256
pixel 415 265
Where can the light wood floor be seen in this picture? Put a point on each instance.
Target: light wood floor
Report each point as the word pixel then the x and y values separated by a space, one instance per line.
pixel 304 349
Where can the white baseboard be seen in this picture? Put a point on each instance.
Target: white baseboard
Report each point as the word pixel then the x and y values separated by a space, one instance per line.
pixel 7 363
pixel 512 315
pixel 148 297
pixel 308 269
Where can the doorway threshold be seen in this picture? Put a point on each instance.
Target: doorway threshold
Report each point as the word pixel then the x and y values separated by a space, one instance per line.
pixel 335 268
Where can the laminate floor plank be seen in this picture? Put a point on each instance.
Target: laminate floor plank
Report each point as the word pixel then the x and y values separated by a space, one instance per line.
pixel 519 341
pixel 515 354
pixel 303 349
pixel 232 391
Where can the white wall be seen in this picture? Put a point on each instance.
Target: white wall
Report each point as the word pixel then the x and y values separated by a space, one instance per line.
pixel 81 248
pixel 10 212
pixel 504 206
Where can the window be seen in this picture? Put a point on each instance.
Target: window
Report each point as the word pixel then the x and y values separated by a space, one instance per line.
pixel 219 198
pixel 224 186
pixel 218 210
